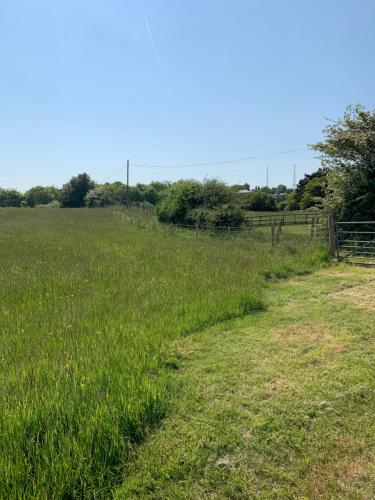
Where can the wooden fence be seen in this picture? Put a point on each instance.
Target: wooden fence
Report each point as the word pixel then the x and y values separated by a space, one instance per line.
pixel 285 219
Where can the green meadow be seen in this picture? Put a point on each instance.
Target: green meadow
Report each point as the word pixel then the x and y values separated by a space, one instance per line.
pixel 90 305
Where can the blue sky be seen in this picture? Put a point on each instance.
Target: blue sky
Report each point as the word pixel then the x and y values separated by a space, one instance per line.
pixel 84 84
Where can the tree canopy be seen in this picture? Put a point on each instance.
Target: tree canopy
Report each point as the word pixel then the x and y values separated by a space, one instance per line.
pixel 348 152
pixel 259 200
pixel 10 198
pixel 73 193
pixel 39 195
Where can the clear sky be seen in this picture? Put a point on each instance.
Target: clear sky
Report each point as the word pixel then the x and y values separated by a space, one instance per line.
pixel 84 84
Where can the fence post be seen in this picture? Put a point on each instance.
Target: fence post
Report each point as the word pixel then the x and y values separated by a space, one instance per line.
pixel 272 235
pixel 278 231
pixel 332 236
pixel 196 231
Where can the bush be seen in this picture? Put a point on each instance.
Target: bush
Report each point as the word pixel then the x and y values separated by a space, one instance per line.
pixel 292 202
pixel 51 204
pixel 117 193
pixel 10 198
pixel 181 197
pixel 39 195
pixel 225 215
pixel 314 193
pixel 209 203
pixel 259 200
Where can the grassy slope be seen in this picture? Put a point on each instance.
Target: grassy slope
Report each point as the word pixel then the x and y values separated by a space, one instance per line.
pixel 278 405
pixel 88 306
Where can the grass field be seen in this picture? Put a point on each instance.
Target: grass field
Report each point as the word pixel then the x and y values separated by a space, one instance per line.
pixel 90 308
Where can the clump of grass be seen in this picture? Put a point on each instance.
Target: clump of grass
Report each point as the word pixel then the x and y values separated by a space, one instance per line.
pixel 252 305
pixel 89 305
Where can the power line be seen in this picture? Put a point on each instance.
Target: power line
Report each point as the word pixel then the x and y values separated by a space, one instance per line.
pixel 222 162
pixel 117 171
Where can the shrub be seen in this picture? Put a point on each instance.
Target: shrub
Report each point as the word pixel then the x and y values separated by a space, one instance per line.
pixel 179 200
pixel 39 195
pixel 259 200
pixel 209 203
pixel 10 198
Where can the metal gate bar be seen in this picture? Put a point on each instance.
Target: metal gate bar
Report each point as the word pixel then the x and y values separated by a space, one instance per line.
pixel 352 246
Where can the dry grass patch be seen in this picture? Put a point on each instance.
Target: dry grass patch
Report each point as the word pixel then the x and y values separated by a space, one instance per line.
pixel 316 333
pixel 350 479
pixel 361 296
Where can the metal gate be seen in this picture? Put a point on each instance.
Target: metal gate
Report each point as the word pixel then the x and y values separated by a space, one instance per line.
pixel 356 242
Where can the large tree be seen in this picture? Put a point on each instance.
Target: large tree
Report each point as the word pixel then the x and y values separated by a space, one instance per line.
pixel 348 151
pixel 73 193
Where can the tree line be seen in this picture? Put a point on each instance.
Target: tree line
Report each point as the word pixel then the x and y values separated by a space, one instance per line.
pixel 343 185
pixel 82 191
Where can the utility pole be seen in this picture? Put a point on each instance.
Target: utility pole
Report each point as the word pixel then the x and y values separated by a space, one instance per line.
pixel 127 176
pixel 127 181
pixel 294 177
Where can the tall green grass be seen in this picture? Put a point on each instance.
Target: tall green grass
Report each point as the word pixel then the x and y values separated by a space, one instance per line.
pixel 88 305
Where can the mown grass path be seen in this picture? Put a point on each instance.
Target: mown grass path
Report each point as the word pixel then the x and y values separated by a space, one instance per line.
pixel 278 405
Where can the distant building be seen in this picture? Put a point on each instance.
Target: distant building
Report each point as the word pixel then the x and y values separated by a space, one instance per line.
pixel 245 189
pixel 279 196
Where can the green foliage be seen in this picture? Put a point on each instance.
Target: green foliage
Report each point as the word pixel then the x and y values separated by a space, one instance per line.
pixel 211 202
pixel 89 306
pixel 309 193
pixel 10 198
pixel 117 193
pixel 73 194
pixel 51 204
pixel 216 194
pixel 223 215
pixel 39 195
pixel 181 197
pixel 321 174
pixel 349 153
pixel 259 200
pixel 106 195
pixel 314 193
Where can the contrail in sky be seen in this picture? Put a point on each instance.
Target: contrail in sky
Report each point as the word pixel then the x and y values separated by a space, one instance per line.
pixel 148 29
